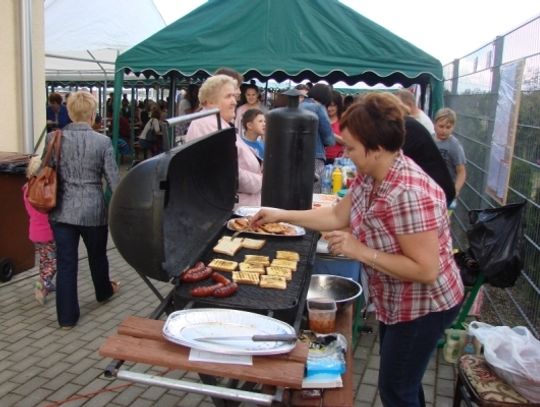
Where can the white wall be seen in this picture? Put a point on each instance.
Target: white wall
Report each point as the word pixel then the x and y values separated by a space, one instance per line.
pixel 11 102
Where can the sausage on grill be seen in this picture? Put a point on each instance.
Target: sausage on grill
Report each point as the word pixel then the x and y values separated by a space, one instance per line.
pixel 196 274
pixel 225 291
pixel 205 291
pixel 220 278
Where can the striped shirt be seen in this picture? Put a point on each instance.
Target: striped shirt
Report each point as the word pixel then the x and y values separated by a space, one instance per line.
pixel 407 201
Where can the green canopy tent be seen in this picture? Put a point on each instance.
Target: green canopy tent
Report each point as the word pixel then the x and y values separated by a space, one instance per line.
pixel 282 39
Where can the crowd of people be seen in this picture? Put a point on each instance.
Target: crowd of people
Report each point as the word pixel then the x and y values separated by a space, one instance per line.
pixel 393 219
pixel 429 145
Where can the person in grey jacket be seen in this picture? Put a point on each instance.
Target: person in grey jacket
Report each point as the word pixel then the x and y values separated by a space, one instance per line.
pixel 86 158
pixel 317 100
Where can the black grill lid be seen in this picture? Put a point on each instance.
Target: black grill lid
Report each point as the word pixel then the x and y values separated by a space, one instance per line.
pixel 168 209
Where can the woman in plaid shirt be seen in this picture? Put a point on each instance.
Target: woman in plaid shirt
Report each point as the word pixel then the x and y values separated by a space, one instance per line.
pixel 393 220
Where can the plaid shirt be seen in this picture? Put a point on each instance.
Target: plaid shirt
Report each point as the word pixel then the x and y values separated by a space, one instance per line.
pixel 407 201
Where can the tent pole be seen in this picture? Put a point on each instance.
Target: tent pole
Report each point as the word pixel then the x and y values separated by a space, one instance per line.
pixel 100 95
pixel 436 99
pixel 133 105
pixel 171 111
pixel 104 117
pixel 118 80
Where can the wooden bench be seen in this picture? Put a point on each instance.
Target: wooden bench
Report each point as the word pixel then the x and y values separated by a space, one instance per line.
pixel 140 340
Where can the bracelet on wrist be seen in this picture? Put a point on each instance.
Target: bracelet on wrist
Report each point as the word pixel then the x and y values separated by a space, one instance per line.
pixel 374 258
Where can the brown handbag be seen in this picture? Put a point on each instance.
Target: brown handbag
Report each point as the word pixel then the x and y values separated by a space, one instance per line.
pixel 42 186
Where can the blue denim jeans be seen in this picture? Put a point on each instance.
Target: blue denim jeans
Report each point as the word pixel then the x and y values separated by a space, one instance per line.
pixel 405 350
pixel 67 260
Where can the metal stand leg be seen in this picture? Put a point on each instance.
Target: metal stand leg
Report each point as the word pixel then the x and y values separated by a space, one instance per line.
pixel 469 301
pixel 358 327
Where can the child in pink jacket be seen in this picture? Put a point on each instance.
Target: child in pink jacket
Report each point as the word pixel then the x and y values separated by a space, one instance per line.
pixel 40 233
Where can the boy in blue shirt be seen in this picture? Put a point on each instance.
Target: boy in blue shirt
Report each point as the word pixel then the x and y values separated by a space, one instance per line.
pixel 254 124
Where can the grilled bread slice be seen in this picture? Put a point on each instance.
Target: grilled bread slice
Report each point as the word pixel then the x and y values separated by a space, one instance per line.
pixel 275 282
pixel 223 265
pixel 289 264
pixel 287 255
pixel 256 259
pixel 228 247
pixel 254 244
pixel 251 268
pixel 242 277
pixel 226 238
pixel 280 272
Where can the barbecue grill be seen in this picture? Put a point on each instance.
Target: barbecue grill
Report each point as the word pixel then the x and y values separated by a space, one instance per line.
pixel 168 213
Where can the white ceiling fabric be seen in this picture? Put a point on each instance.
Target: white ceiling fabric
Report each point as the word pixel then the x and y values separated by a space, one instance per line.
pixel 102 27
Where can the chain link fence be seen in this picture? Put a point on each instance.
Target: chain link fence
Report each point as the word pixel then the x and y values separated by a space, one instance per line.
pixel 471 89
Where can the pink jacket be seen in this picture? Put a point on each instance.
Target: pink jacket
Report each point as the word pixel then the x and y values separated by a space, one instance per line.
pixel 39 230
pixel 249 168
pixel 203 126
pixel 249 175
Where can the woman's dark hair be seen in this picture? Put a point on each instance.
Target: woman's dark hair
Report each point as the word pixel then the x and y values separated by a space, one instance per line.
pixel 156 112
pixel 337 99
pixel 321 93
pixel 249 116
pixel 347 101
pixel 232 73
pixel 55 98
pixel 376 120
pixel 244 88
pixel 192 96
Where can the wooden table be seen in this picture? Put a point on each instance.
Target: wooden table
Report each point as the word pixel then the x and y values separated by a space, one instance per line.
pixel 140 340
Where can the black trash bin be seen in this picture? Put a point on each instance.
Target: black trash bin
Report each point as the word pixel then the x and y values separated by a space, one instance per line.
pixel 16 250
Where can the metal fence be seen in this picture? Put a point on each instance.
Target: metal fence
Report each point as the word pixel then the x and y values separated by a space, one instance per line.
pixel 471 89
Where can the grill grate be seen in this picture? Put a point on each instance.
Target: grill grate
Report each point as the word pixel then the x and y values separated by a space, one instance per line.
pixel 254 298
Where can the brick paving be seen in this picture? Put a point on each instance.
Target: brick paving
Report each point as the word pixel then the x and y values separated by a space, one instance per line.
pixel 43 365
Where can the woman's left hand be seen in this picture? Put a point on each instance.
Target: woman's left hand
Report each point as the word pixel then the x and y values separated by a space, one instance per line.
pixel 342 243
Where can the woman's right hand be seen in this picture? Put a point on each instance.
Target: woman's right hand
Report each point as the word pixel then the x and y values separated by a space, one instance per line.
pixel 267 215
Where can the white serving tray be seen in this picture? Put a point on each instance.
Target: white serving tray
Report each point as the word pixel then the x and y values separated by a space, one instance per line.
pixel 182 327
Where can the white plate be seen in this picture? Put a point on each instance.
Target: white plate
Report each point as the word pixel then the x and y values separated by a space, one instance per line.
pixel 182 327
pixel 244 211
pixel 296 230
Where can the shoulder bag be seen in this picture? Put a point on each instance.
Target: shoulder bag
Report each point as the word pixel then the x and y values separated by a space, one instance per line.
pixel 42 186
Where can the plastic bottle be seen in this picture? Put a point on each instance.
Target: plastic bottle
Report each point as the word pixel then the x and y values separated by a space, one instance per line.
pixel 326 181
pixel 451 349
pixel 337 180
pixel 349 172
pixel 469 348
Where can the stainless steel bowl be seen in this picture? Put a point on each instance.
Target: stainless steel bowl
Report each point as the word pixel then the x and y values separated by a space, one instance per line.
pixel 342 290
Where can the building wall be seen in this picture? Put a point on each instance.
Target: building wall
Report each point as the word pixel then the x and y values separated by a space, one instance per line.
pixel 11 102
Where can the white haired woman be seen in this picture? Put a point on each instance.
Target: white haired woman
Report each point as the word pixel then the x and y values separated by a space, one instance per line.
pixel 220 92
